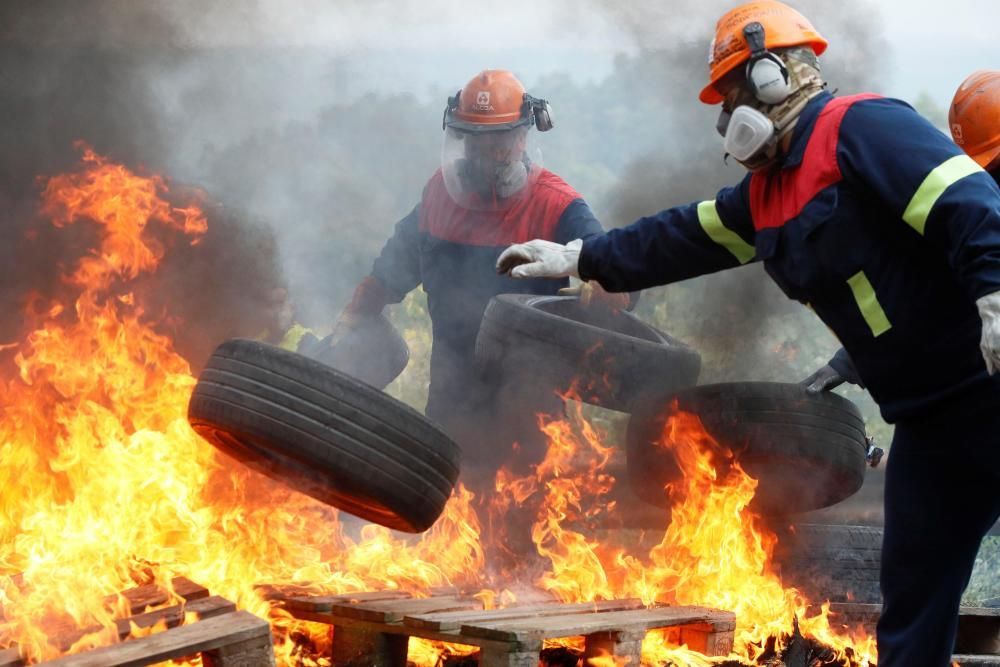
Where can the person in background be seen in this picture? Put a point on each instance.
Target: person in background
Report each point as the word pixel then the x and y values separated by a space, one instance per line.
pixel 490 191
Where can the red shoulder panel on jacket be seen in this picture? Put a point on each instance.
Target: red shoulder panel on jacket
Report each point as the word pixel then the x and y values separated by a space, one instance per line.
pixel 778 195
pixel 535 215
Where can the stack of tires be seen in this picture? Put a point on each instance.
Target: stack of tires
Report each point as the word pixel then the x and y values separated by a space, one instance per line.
pixel 832 562
pixel 807 452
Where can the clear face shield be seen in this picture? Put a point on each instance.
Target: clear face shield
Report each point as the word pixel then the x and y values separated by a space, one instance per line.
pixel 489 170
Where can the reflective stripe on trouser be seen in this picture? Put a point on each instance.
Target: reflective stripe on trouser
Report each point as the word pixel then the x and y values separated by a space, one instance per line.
pixel 940 179
pixel 867 301
pixel 708 216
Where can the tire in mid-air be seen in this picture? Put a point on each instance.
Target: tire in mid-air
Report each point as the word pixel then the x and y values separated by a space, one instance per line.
pixel 324 433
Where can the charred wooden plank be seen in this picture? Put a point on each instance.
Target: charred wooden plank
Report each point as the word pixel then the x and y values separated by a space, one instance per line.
pixel 239 636
pixel 151 595
pixel 519 630
pixel 393 611
pixel 453 620
pixel 170 616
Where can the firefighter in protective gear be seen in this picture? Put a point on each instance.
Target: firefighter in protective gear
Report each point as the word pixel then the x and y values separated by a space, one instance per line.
pixel 891 234
pixel 974 119
pixel 491 191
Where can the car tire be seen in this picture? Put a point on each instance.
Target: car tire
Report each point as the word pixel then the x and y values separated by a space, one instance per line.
pixel 610 359
pixel 806 451
pixel 324 433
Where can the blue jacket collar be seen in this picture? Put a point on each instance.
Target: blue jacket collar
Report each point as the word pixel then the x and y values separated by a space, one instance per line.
pixel 804 128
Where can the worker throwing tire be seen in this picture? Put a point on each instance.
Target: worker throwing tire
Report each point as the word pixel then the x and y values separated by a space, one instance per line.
pixel 859 207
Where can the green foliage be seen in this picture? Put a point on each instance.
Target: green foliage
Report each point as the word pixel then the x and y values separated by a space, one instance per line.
pixel 985 583
pixel 411 319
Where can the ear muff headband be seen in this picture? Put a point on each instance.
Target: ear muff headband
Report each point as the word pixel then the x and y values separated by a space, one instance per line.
pixel 766 74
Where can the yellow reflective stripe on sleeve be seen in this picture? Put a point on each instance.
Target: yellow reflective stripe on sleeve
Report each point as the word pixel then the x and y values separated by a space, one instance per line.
pixel 710 221
pixel 939 180
pixel 871 309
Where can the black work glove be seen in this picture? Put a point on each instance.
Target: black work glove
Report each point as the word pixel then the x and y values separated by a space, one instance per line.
pixel 837 371
pixel 825 379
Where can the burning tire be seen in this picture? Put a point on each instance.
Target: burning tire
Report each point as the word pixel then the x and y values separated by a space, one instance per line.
pixel 832 562
pixel 325 434
pixel 609 359
pixel 807 452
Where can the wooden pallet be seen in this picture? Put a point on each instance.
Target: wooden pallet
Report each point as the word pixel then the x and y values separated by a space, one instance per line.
pixel 977 642
pixel 374 628
pixel 222 635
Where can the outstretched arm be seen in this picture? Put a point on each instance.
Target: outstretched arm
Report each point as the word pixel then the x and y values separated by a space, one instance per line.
pixel 672 245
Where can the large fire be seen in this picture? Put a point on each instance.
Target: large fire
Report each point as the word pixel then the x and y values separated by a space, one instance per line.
pixel 103 485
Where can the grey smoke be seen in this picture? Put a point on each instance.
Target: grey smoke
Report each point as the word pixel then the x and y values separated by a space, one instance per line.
pixel 290 116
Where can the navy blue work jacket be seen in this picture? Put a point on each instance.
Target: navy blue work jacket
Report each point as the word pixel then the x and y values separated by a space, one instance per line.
pixel 452 251
pixel 876 220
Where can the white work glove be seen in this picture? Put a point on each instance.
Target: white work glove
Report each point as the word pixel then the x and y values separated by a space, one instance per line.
pixel 989 311
pixel 541 259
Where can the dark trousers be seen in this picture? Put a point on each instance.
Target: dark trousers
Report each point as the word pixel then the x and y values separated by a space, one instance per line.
pixel 942 495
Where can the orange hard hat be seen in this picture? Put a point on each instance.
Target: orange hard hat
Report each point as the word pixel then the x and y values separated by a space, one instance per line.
pixel 783 27
pixel 974 116
pixel 493 100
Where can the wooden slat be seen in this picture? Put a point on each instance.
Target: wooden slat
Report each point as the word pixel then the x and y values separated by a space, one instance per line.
pixel 586 623
pixel 453 620
pixel 285 591
pixel 294 600
pixel 324 603
pixel 977 660
pixel 172 616
pixel 10 657
pixel 180 642
pixel 393 611
pixel 151 595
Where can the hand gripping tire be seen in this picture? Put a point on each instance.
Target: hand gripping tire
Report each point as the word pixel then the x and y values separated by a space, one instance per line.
pixel 325 434
pixel 609 359
pixel 807 452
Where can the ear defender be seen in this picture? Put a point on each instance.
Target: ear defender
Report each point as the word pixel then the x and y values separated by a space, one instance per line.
pixel 766 74
pixel 540 111
pixel 453 101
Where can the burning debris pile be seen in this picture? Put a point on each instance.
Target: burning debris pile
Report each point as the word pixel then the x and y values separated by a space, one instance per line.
pixel 103 485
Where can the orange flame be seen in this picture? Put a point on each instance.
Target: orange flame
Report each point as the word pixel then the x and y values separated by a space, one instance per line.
pixel 714 552
pixel 104 485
